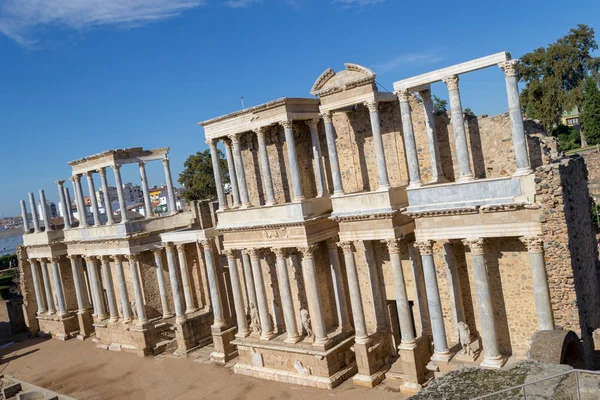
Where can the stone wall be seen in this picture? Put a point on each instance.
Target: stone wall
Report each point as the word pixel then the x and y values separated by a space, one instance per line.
pixel 27 291
pixel 592 161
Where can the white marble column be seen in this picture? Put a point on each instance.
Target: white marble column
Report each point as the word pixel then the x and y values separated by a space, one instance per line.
pixel 489 336
pixel 239 169
pixel 185 280
pixel 171 202
pixel 250 288
pixel 81 306
pixel 123 295
pixel 63 202
pixel 160 278
pixel 34 214
pixel 285 292
pixel 339 289
pixel 360 326
pixel 434 153
pixel 458 126
pixel 69 209
pixel 298 194
pixel 313 297
pixel 382 173
pixel 110 291
pixel 89 262
pixel 434 303
pixel 511 71
pixel 216 165
pixel 410 145
pixel 145 189
pixel 83 287
pixel 265 168
pixel 119 184
pixel 60 296
pixel 261 297
pixel 213 283
pixel 238 298
pixel 44 208
pixel 175 286
pixel 107 205
pixel 137 290
pixel 93 200
pixel 24 217
pixel 334 163
pixel 47 286
pixel 404 316
pixel 458 311
pixel 39 297
pixel 232 174
pixel 316 149
pixel 98 297
pixel 76 179
pixel 543 305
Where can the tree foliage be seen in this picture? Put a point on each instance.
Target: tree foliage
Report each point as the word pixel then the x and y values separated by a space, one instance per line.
pixel 439 105
pixel 198 178
pixel 590 112
pixel 554 76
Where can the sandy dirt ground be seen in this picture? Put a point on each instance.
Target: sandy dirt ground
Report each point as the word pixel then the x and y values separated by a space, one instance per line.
pixel 79 369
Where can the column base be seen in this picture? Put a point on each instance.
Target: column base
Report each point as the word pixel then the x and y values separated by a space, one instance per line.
pixel 437 179
pixel 337 194
pixel 466 178
pixel 410 388
pixel 383 188
pixel 322 342
pixel 168 315
pixel 492 362
pixel 293 339
pixel 523 171
pixel 415 185
pixel 367 381
pixel 243 334
pixel 267 336
pixel 224 350
pixel 191 310
pixel 180 319
pixel 441 357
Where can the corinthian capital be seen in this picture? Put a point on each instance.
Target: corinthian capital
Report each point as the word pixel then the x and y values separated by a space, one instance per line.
pixel 75 178
pixel 403 95
pixel 347 247
pixel 326 117
pixel 165 162
pixel 534 244
pixel 308 251
pixel 212 143
pixel 102 172
pixel 332 243
pixel 393 246
pixel 312 124
pixel 425 94
pixel 451 81
pixel 206 244
pixel 260 132
pixel 287 124
pixel 476 245
pixel 280 253
pixel 425 247
pixel 116 168
pixel 235 137
pixel 372 105
pixel 229 253
pixel 510 67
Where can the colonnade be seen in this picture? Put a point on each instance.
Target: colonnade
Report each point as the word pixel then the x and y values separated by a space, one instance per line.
pixel 34 213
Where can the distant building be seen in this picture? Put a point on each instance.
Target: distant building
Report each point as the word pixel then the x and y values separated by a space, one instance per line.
pixel 112 195
pixel 571 118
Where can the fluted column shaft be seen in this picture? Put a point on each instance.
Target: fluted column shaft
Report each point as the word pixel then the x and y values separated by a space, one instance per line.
pixel 119 184
pixel 316 149
pixel 434 154
pixel 232 174
pixel 250 288
pixel 213 283
pixel 382 173
pixel 39 297
pixel 98 298
pixel 107 205
pixel 170 190
pixel 47 287
pixel 137 290
pixel 24 217
pixel 543 305
pixel 110 291
pixel 334 163
pixel 79 200
pixel 261 297
pixel 175 286
pixel 44 207
pixel 410 144
pixel 63 202
pixel 360 326
pixel 458 126
pixel 214 156
pixel 124 296
pixel 313 297
pixel 458 311
pixel 404 315
pixel 60 297
pixel 339 289
pixel 160 278
pixel 34 214
pixel 239 170
pixel 77 283
pixel 285 292
pixel 69 210
pixel 93 200
pixel 293 160
pixel 265 168
pixel 185 279
pixel 238 298
pixel 145 189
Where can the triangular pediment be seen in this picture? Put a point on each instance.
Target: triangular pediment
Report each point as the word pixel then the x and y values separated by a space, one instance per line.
pixel 331 82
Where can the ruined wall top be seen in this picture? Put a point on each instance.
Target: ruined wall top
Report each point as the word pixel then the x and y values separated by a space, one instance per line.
pixel 117 157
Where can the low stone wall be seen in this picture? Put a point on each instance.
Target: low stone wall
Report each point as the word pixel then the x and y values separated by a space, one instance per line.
pixel 27 291
pixel 592 161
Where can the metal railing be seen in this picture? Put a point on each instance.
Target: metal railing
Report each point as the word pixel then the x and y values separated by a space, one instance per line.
pixel 523 387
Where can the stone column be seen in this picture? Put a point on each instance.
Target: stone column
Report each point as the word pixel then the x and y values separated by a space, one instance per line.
pixel 460 136
pixel 338 187
pixel 338 285
pixel 458 312
pixel 160 278
pixel 39 297
pixel 216 165
pixel 89 262
pixel 69 208
pixel 34 214
pixel 423 322
pixel 312 295
pixel 232 174
pixel 110 291
pixel 239 169
pixel 250 288
pixel 24 217
pixel 286 297
pixel 384 182
pixel 145 189
pixel 63 201
pixel 107 205
pixel 543 305
pixel 511 71
pixel 60 296
pixel 404 317
pixel 98 298
pixel 125 305
pixel 266 324
pixel 360 326
pixel 93 200
pixel 82 284
pixel 47 287
pixel 410 145
pixel 122 204
pixel 238 298
pixel 175 286
pixel 491 352
pixel 170 190
pixel 137 290
pixel 76 179
pixel 316 148
pixel 434 154
pixel 185 279
pixel 213 283
pixel 265 169
pixel 293 160
pixel 81 306
pixel 44 207
pixel 436 315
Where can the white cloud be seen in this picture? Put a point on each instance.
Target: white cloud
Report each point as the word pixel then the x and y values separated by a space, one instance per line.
pixel 423 58
pixel 359 3
pixel 21 20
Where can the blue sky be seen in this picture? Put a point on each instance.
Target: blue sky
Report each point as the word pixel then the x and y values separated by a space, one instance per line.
pixel 78 77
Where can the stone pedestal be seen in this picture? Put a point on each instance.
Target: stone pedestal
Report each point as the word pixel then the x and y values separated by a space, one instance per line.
pixel 224 349
pixel 59 327
pixel 371 360
pixel 194 332
pixel 411 365
pixel 86 327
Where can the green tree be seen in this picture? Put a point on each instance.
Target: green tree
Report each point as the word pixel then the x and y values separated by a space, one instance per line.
pixel 554 76
pixel 198 178
pixel 590 112
pixel 439 106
